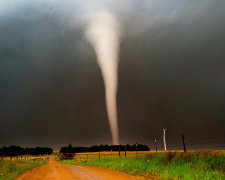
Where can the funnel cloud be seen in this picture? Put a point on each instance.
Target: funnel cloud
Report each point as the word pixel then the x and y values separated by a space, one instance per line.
pixel 171 72
pixel 103 34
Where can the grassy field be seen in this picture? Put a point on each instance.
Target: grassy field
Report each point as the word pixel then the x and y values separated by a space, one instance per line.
pixel 10 169
pixel 205 165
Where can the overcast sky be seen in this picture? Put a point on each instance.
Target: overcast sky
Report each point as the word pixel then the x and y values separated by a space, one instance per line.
pixel 171 73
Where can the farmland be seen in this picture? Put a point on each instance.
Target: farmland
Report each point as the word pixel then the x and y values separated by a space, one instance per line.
pixel 170 165
pixel 12 168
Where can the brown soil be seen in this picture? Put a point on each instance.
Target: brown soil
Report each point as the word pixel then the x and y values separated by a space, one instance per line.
pixel 57 171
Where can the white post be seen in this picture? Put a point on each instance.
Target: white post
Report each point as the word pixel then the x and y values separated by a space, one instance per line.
pixel 164 138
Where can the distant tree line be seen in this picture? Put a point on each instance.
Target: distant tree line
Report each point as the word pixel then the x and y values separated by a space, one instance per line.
pixel 135 147
pixel 17 150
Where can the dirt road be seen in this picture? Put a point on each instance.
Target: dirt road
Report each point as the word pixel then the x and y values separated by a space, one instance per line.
pixel 57 171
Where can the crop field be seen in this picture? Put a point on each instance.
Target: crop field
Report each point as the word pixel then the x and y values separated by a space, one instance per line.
pixel 111 155
pixel 88 156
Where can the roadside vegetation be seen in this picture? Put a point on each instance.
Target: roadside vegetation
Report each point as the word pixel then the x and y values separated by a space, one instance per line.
pixel 10 169
pixel 205 165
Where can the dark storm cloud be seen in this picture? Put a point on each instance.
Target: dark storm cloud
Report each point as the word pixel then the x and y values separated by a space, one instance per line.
pixel 171 72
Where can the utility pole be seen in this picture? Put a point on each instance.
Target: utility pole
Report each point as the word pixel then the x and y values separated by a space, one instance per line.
pixel 183 143
pixel 136 150
pixel 119 150
pixel 155 146
pixel 164 138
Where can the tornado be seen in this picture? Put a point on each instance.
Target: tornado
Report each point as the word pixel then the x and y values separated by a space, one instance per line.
pixel 103 34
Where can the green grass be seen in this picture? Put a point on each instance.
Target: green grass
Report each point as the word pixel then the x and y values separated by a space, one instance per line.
pixel 205 165
pixel 10 169
pixel 68 161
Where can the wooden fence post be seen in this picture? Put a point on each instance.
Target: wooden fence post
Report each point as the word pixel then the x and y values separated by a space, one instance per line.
pixel 184 146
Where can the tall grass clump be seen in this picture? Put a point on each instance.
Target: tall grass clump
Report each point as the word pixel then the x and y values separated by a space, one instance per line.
pixel 10 169
pixel 205 165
